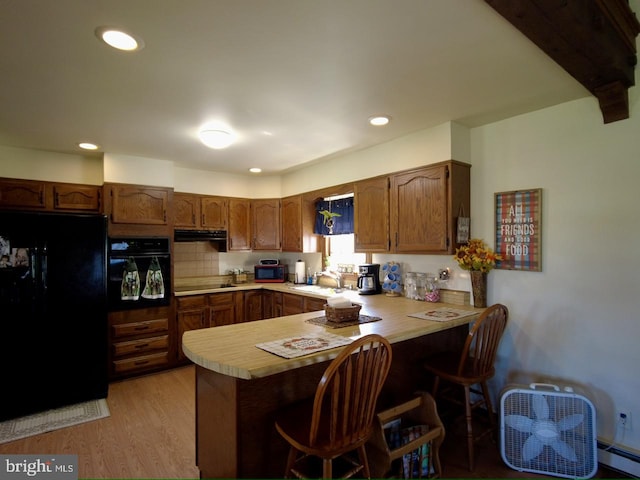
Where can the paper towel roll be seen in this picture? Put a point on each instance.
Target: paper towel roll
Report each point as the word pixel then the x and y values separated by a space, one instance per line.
pixel 301 272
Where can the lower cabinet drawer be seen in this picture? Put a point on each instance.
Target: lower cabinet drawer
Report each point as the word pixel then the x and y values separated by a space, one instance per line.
pixel 142 345
pixel 140 328
pixel 141 363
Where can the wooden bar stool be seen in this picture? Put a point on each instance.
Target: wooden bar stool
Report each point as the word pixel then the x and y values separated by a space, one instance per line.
pixel 339 419
pixel 472 366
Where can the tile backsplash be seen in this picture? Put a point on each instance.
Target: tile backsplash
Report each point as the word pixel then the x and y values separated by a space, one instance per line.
pixel 195 259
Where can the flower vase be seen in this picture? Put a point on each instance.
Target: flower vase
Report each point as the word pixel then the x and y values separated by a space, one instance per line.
pixel 479 288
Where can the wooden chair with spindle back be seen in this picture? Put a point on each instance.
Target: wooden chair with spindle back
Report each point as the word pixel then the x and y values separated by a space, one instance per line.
pixel 323 431
pixel 474 365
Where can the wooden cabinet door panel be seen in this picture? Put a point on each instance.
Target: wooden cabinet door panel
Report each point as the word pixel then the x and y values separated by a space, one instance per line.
pixel 77 197
pixel 419 210
pixel 22 194
pixel 312 304
pixel 291 215
pixel 265 224
pixel 371 215
pixel 140 205
pixel 214 213
pixel 239 234
pixel 186 210
pixel 253 304
pixel 292 304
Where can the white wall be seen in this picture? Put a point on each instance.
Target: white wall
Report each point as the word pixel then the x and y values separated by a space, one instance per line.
pixel 577 320
pixel 48 166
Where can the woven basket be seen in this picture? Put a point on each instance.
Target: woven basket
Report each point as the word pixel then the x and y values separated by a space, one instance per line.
pixel 342 314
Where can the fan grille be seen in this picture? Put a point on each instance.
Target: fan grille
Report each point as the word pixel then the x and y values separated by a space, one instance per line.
pixel 554 433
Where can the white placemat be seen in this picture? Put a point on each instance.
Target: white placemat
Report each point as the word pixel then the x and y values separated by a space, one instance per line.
pixel 304 345
pixel 442 314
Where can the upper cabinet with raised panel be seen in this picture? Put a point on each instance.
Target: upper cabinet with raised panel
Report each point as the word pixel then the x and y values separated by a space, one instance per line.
pixel 371 215
pixel 200 211
pixel 424 205
pixel 48 196
pixel 138 209
pixel 239 232
pixel 186 207
pixel 298 216
pixel 265 224
pixel 86 198
pixel 214 212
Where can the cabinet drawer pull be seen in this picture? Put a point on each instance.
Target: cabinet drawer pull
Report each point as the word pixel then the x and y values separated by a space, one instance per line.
pixel 142 345
pixel 141 362
pixel 142 327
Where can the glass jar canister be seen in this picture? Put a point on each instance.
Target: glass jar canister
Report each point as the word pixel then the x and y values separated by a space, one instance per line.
pixel 410 285
pixel 421 286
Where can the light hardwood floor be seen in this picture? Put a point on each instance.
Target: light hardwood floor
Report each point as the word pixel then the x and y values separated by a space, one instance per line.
pixel 151 434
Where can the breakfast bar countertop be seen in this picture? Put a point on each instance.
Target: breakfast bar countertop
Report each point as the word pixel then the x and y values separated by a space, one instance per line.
pixel 231 349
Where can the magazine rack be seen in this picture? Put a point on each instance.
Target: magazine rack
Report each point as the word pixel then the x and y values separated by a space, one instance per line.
pixel 386 461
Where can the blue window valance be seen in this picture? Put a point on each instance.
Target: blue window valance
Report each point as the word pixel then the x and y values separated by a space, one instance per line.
pixel 334 217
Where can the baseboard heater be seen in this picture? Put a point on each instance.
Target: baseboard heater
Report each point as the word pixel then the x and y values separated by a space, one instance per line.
pixel 619 459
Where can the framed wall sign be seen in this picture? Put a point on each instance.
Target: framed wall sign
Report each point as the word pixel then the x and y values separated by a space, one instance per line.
pixel 518 229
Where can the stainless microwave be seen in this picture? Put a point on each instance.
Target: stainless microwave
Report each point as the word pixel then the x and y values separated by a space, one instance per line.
pixel 271 273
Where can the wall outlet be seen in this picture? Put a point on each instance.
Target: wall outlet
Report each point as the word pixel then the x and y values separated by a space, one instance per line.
pixel 444 274
pixel 624 419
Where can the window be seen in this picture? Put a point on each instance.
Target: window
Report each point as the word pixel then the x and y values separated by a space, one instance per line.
pixel 340 256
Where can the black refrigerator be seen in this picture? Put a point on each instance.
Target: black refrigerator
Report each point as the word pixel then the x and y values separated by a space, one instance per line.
pixel 53 311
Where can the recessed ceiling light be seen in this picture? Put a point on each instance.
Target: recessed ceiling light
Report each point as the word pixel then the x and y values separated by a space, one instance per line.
pixel 255 170
pixel 118 38
pixel 379 120
pixel 88 146
pixel 216 138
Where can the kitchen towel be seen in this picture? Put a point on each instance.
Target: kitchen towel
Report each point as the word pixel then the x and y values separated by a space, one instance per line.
pixel 304 345
pixel 442 314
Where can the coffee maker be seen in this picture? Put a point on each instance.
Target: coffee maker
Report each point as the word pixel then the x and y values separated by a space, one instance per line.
pixel 369 279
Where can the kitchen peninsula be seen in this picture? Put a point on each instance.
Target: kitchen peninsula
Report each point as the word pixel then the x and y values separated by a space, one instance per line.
pixel 239 386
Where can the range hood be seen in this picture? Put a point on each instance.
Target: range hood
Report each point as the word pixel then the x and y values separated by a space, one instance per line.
pixel 217 236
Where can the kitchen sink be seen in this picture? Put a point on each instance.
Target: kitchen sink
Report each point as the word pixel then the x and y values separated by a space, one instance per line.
pixel 317 289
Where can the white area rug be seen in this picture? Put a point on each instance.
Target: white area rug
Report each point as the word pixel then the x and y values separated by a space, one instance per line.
pixel 55 419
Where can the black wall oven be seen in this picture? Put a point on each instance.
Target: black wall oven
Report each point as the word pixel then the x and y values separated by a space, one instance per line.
pixel 139 272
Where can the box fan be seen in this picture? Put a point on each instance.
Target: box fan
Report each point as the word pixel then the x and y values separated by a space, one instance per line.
pixel 546 430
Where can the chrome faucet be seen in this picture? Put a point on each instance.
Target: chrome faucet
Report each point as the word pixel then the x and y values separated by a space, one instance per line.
pixel 335 275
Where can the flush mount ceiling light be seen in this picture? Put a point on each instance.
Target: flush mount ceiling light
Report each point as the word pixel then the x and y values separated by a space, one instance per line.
pixel 379 120
pixel 216 138
pixel 255 170
pixel 88 146
pixel 118 38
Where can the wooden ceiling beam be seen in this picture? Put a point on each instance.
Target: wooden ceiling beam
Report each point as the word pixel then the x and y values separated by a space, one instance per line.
pixel 593 40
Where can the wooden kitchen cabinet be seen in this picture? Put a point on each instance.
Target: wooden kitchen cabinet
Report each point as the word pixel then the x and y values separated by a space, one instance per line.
pixel 292 304
pixel 265 224
pixel 424 206
pixel 214 212
pixel 291 215
pixel 139 204
pixel 27 194
pixel 194 211
pixel 187 210
pixel 139 340
pixel 253 305
pixel 313 304
pixel 192 313
pixel 371 215
pixel 298 217
pixel 49 196
pixel 239 232
pixel 224 308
